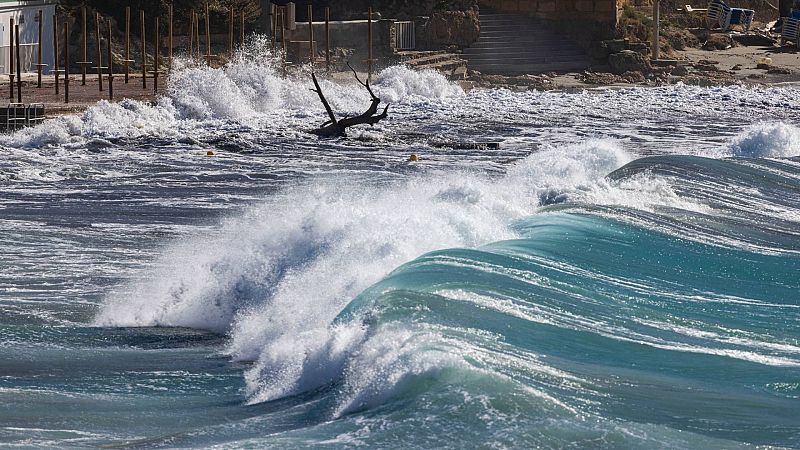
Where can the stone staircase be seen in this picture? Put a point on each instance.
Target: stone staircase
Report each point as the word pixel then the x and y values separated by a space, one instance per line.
pixel 513 44
pixel 451 64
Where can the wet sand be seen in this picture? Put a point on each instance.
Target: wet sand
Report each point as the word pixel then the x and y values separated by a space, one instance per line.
pixel 80 96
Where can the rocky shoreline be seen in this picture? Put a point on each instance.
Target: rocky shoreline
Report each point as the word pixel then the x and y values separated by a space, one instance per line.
pixel 748 65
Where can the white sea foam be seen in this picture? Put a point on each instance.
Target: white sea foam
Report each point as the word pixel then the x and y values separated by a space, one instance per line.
pixel 762 140
pixel 579 174
pixel 344 238
pixel 580 167
pixel 275 279
pixel 317 247
pixel 250 89
pixel 766 140
pixel 399 83
pixel 127 118
pixel 253 85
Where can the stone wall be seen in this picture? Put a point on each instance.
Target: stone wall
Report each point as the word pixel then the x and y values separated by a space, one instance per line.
pixel 604 11
pixel 587 22
pixel 444 29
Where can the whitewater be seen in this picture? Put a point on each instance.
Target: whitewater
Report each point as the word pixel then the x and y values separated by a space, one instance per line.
pixel 619 271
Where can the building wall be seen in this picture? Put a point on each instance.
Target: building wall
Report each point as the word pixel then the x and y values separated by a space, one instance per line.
pixel 25 13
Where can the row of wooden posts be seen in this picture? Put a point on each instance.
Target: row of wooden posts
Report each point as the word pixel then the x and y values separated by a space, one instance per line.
pixel 194 42
pixel 279 23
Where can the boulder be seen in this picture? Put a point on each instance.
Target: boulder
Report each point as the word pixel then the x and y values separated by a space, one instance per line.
pixel 779 71
pixel 680 71
pixel 755 40
pixel 679 38
pixel 614 45
pixel 628 61
pixel 719 41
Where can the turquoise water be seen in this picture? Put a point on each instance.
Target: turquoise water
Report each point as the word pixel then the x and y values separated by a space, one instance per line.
pixel 607 278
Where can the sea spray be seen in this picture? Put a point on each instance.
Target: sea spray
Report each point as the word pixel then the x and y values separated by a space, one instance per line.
pixel 275 279
pixel 766 140
pixel 310 232
pixel 252 85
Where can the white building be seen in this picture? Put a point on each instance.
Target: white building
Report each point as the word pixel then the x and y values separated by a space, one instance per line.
pixel 26 14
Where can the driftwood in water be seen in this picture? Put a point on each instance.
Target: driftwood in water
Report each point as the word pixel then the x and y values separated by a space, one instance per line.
pixel 335 127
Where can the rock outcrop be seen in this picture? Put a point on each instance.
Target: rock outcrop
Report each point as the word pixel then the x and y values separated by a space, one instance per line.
pixel 628 61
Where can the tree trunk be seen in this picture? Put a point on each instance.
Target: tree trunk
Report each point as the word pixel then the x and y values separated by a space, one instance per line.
pixel 338 128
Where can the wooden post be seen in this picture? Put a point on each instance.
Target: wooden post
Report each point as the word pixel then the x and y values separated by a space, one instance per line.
pixel 311 36
pixel 66 61
pixel 39 66
pixel 144 51
pixel 169 39
pixel 283 35
pixel 55 51
pixel 99 51
pixel 197 34
pixel 191 34
pixel 327 38
pixel 208 36
pixel 230 34
pixel 11 61
pixel 156 60
pixel 369 38
pixel 282 18
pixel 274 27
pixel 19 65
pixel 127 43
pixel 85 59
pixel 656 38
pixel 110 66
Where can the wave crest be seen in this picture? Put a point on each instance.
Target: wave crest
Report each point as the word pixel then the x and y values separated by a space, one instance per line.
pixel 766 140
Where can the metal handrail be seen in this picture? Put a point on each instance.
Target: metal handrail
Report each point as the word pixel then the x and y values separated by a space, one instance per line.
pixel 32 115
pixel 15 116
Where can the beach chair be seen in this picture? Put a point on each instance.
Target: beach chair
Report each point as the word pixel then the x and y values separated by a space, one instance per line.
pixel 719 13
pixel 791 29
pixel 738 16
pixel 715 13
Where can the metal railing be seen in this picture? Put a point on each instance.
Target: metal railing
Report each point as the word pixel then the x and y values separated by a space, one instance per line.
pixel 34 114
pixel 405 36
pixel 15 116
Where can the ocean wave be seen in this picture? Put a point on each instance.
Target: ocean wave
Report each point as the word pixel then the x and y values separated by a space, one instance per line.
pixel 276 279
pixel 766 140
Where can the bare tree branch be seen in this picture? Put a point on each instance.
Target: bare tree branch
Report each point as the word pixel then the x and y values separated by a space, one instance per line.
pixel 325 103
pixel 337 128
pixel 366 85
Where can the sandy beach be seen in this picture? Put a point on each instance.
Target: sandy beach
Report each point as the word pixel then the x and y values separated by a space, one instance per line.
pixel 80 96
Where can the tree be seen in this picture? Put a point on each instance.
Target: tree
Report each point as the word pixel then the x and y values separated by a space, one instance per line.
pixel 338 128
